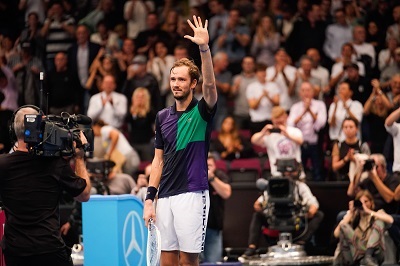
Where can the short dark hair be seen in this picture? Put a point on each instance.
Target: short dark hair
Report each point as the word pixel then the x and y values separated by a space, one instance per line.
pixel 351 119
pixel 261 67
pixel 194 71
pixel 98 122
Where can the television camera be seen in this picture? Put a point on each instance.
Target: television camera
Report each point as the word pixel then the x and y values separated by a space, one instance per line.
pixel 283 209
pixel 53 135
pixel 99 169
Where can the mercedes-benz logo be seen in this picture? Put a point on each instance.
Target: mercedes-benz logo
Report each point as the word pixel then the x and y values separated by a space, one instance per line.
pixel 133 240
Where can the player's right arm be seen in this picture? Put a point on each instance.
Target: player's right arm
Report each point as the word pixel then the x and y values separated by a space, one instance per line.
pixel 154 182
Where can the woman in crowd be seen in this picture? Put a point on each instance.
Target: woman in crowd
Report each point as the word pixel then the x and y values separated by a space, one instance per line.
pixel 343 152
pixel 361 232
pixel 266 42
pixel 230 144
pixel 103 65
pixel 376 109
pixel 159 65
pixel 141 123
pixel 126 55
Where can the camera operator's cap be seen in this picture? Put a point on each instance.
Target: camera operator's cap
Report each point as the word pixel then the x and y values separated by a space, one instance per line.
pixel 351 65
pixel 139 59
pixel 277 111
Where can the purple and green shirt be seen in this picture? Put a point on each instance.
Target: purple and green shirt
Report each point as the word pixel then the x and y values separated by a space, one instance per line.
pixel 185 139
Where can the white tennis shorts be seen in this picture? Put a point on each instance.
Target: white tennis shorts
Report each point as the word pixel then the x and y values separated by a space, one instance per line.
pixel 182 221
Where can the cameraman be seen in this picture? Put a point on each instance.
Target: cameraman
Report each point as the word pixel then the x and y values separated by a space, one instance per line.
pixel 379 183
pixel 302 196
pixel 31 187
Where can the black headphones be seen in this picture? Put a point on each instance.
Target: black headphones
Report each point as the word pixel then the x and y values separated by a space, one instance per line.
pixel 11 130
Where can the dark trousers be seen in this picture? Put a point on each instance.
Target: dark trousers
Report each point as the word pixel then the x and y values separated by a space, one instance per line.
pixel 394 230
pixel 259 219
pixel 61 258
pixel 311 151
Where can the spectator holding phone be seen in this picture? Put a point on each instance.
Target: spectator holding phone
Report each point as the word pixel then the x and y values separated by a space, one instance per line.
pixel 280 140
pixel 360 232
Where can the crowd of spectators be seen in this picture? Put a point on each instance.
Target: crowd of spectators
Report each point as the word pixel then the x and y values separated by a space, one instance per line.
pixel 263 52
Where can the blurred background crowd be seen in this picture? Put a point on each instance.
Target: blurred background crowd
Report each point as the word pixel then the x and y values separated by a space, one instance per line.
pixel 110 59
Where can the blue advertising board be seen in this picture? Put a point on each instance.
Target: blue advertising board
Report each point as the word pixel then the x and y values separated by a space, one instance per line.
pixel 114 232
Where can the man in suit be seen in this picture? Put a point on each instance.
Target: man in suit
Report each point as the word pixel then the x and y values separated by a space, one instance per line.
pixel 86 51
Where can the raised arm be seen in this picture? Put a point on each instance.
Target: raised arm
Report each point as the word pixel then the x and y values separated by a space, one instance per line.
pixel 201 38
pixel 393 117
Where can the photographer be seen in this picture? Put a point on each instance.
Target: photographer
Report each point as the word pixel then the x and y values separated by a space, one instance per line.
pixel 31 187
pixel 379 183
pixel 303 198
pixel 220 190
pixel 281 141
pixel 360 232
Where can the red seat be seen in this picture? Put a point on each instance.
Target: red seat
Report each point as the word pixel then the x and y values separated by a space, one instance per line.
pixel 245 133
pixel 222 165
pixel 260 151
pixel 214 135
pixel 245 170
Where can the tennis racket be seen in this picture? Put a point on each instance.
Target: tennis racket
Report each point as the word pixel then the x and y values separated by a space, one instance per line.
pixel 153 245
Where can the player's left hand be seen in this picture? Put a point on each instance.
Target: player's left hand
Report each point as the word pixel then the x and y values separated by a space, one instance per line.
pixel 200 33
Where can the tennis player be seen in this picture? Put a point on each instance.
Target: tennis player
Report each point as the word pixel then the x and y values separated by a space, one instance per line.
pixel 179 168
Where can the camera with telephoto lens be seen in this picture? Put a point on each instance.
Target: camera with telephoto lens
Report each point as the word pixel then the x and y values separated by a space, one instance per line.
pixel 54 135
pixel 358 205
pixel 368 165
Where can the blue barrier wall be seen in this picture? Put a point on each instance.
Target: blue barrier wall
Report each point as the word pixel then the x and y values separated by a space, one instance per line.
pixel 113 231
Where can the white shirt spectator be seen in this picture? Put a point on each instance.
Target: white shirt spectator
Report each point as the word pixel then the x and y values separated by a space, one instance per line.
pixel 394 130
pixel 280 147
pixel 323 75
pixel 367 49
pixel 255 90
pixel 112 114
pixel 284 100
pixel 356 108
pixel 160 69
pixel 335 36
pixel 383 56
pixel 122 146
pixel 136 16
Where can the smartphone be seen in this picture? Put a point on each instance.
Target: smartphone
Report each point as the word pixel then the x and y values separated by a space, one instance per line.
pixel 275 130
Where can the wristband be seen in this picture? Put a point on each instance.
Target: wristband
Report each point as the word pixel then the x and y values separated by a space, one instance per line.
pixel 151 193
pixel 203 51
